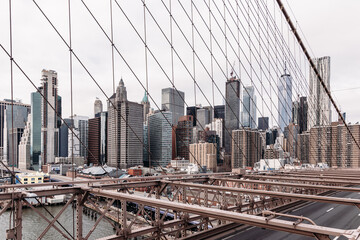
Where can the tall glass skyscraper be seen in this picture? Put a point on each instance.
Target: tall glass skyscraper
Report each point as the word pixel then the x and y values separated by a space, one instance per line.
pixel 232 110
pixel 284 100
pixel 160 133
pixel 248 114
pixel 173 101
pixel 35 142
pixel 10 126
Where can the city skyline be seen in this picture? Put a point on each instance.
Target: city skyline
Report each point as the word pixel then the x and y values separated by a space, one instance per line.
pixel 102 73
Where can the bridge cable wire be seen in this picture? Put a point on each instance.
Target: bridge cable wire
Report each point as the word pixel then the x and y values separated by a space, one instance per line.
pixel 205 44
pixel 188 41
pixel 71 109
pixel 281 6
pixel 94 80
pixel 275 45
pixel 325 117
pixel 81 63
pixel 181 60
pixel 48 103
pixel 280 48
pixel 137 78
pixel 219 45
pixel 12 139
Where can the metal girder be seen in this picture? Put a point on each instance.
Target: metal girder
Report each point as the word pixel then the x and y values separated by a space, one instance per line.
pixel 317 180
pixel 311 186
pixel 45 218
pixel 99 219
pixel 325 176
pixel 312 198
pixel 52 192
pixel 125 185
pixel 56 217
pixel 117 180
pixel 275 224
pixel 10 196
pixel 5 208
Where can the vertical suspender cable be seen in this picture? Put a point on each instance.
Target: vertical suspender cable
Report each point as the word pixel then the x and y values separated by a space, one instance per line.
pixel 211 61
pixel 12 116
pixel 72 110
pixel 193 49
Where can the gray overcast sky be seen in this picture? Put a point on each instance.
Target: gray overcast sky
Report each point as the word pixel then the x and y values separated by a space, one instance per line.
pixel 330 27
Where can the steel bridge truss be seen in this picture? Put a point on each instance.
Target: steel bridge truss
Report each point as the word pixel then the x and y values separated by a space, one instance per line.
pixel 173 207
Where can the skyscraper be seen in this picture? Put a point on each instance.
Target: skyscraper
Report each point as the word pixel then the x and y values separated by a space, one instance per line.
pixel 247 148
pixel 319 107
pixel 232 110
pixel 334 145
pixel 204 154
pixel 160 133
pixel 146 104
pixel 284 100
pixel 98 107
pixel 97 139
pixel 300 113
pixel 184 132
pixel 81 129
pixel 24 147
pixel 19 118
pixel 202 117
pixel 14 140
pixel 191 111
pixel 124 130
pixel 248 114
pixel 63 137
pixel 172 100
pixel 94 141
pixel 50 121
pixel 36 119
pixel 217 125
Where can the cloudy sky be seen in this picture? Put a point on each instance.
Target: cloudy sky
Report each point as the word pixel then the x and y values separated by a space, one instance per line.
pixel 329 26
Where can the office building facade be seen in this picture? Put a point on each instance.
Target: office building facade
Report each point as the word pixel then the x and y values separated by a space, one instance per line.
pixel 204 154
pixel 319 102
pixel 50 121
pixel 232 110
pixel 334 145
pixel 160 136
pixel 24 147
pixel 124 130
pixel 172 100
pixel 13 118
pixel 246 149
pixel 36 120
pixel 184 136
pixel 300 113
pixel 284 100
pixel 248 114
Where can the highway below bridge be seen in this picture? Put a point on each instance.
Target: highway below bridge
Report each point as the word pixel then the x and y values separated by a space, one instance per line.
pixel 323 214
